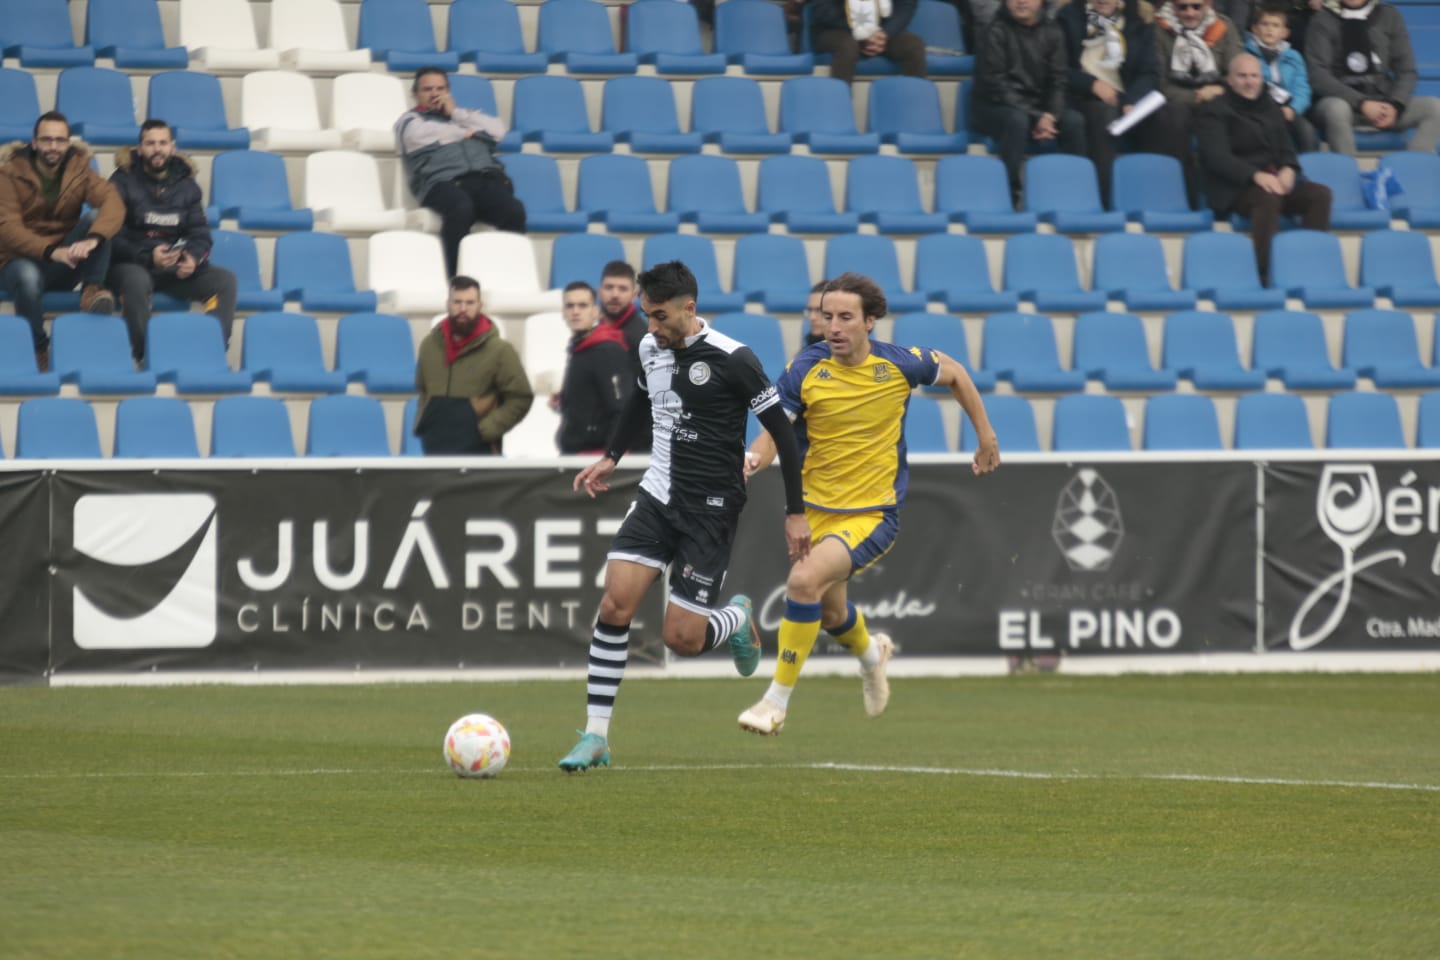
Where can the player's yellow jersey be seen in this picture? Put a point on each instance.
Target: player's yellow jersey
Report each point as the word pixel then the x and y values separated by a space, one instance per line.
pixel 850 422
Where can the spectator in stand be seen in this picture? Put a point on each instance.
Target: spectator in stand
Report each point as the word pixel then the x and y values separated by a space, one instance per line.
pixel 1298 14
pixel 1250 163
pixel 598 375
pixel 1111 50
pixel 46 240
pixel 1286 78
pixel 851 29
pixel 473 387
pixel 1020 82
pixel 814 317
pixel 1195 46
pixel 1362 70
pixel 165 242
pixel 450 162
pixel 617 300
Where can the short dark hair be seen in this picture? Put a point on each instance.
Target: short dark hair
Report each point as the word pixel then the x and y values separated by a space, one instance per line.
pixel 872 298
pixel 667 281
pixel 423 71
pixel 819 287
pixel 1270 8
pixel 618 268
pixel 154 123
pixel 574 285
pixel 52 116
pixel 462 282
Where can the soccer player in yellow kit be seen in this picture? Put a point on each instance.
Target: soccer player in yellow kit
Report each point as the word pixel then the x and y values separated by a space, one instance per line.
pixel 847 397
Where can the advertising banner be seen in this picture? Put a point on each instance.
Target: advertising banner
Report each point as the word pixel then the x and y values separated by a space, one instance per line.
pixel 24 570
pixel 1352 556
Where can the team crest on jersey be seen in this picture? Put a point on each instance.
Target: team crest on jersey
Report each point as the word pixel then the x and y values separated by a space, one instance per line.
pixel 699 373
pixel 882 372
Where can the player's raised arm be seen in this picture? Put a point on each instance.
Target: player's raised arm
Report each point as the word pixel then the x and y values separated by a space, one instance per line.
pixel 987 450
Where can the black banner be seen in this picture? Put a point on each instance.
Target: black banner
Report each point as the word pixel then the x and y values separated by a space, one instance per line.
pixel 1352 556
pixel 1047 559
pixel 24 599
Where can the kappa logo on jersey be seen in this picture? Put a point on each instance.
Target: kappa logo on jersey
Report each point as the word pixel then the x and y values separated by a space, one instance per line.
pixel 699 373
pixel 148 573
pixel 823 374
pixel 882 372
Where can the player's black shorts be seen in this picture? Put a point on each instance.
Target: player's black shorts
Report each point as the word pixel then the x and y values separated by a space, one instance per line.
pixel 696 545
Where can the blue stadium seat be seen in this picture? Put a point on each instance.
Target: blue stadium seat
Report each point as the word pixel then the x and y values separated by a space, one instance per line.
pixel 487 33
pixel 155 427
pixel 1181 421
pixel 698 253
pixel 1427 431
pixel 537 184
pixel 38 33
pixel 1363 421
pixel 1419 175
pixel 730 111
pixel 771 269
pixel 283 349
pixel 56 428
pixel 1221 267
pixel 1271 421
pixel 925 426
pixel 410 445
pixel 754 36
pixel 1149 188
pixel 1063 189
pixel 551 111
pixel 376 349
pixel 1041 268
pixel 1090 422
pixel 1200 347
pixel 129 32
pixel 1398 264
pixel 576 33
pixel 876 258
pixel 188 350
pixel 1130 267
pixel 251 188
pixel 954 269
pixel 195 109
pixel 1290 345
pixel 237 253
pixel 641 111
pixel 19 375
pixel 885 191
pixel 582 256
pixel 99 105
pixel 314 270
pixel 705 190
pixel 251 427
pixel 795 191
pixel 938 24
pixel 761 334
pixel 1341 174
pixel 1020 348
pixel 399 33
pixel 819 112
pixel 1381 345
pixel 972 189
pixel 943 332
pixel 94 353
pixel 473 92
pixel 905 111
pixel 1013 420
pixel 615 189
pixel 346 426
pixel 19 105
pixel 1308 264
pixel 1111 348
pixel 668 36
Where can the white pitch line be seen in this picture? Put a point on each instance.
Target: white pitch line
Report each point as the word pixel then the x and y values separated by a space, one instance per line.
pixel 986 772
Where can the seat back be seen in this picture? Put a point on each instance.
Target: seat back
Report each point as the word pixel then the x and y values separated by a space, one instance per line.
pixel 85 343
pixel 1271 421
pixel 759 332
pixel 1109 341
pixel 1338 171
pixel 612 181
pixel 187 100
pixel 772 263
pixel 1306 258
pixel 696 251
pixel 1419 175
pixel 252 179
pixel 346 426
pixel 728 104
pixel 574 26
pixel 1363 421
pixel 314 262
pixel 815 105
pixel 1287 338
pixel 124 23
pixel 1148 182
pixel 751 28
pixel 705 183
pixel 1013 420
pixel 56 428
pixel 1219 261
pixel 409 267
pixel 374 342
pixel 342 180
pixel 903 105
pixel 638 104
pixel 227 24
pixel 1391 258
pixel 484 26
pixel 399 25
pixel 251 427
pixel 662 28
pixel 37 23
pixel 1040 262
pixel 176 342
pixel 154 427
pixel 869 254
pixel 1018 341
pixel 1130 261
pixel 1061 182
pixel 925 426
pixel 938 24
pixel 933 331
pixel 951 262
pixel 1181 421
pixel 19 102
pixel 477 93
pixel 582 256
pixel 367 101
pixel 794 183
pixel 1085 421
pixel 1427 431
pixel 536 178
pixel 95 95
pixel 1199 338
pixel 1379 338
pixel 501 262
pixel 882 184
pixel 279 99
pixel 544 103
pixel 237 252
pixel 971 183
pixel 309 25
pixel 281 341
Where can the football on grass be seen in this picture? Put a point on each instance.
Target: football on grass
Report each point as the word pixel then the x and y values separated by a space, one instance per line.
pixel 477 746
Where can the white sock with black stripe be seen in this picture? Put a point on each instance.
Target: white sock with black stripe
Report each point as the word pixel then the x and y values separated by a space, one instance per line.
pixel 724 624
pixel 609 648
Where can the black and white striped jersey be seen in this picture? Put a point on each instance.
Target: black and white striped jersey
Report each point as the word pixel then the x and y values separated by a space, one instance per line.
pixel 699 398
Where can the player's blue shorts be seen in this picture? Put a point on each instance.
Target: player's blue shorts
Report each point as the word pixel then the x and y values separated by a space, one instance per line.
pixel 868 536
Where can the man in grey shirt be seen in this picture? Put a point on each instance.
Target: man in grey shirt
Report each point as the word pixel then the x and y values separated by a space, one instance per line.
pixel 450 162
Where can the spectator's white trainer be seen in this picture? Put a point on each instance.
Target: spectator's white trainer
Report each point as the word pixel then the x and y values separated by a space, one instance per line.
pixel 873 682
pixel 765 718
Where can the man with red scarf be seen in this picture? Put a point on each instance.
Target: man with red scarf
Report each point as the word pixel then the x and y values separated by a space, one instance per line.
pixel 473 387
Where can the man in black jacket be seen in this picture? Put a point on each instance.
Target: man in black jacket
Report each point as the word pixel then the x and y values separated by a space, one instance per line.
pixel 1020 84
pixel 597 375
pixel 1250 163
pixel 165 242
pixel 851 29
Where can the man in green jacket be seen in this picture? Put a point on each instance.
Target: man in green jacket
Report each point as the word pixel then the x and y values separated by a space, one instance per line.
pixel 473 387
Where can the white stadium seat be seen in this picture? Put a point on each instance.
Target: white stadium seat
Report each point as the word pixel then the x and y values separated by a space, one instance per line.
pixel 366 106
pixel 343 188
pixel 279 108
pixel 221 36
pixel 407 271
pixel 310 37
pixel 504 263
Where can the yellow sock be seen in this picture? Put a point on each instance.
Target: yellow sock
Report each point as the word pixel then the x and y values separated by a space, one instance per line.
pixel 798 630
pixel 852 634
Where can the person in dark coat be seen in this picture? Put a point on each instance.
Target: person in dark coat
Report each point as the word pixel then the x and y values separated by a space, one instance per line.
pixel 851 30
pixel 1249 161
pixel 597 375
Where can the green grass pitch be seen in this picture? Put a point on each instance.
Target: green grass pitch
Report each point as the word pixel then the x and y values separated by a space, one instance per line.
pixel 1037 816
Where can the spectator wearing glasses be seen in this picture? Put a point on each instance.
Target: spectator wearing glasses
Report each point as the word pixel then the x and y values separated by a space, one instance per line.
pixel 1195 46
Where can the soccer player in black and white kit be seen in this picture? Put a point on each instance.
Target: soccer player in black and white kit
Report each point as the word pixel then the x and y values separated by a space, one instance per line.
pixel 699 385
